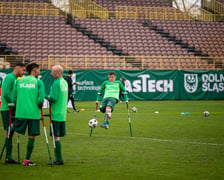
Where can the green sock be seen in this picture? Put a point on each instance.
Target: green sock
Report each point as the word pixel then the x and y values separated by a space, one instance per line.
pixel 107 119
pixel 8 143
pixel 58 154
pixel 29 148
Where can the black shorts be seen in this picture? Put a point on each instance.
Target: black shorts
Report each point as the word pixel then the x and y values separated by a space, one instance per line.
pixel 20 126
pixel 5 119
pixel 111 102
pixel 59 128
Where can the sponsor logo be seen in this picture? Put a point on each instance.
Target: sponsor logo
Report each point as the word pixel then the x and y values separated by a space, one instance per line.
pixel 190 82
pixel 144 84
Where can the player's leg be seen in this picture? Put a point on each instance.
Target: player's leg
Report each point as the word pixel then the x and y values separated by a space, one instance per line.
pixel 8 139
pixel 103 109
pixel 73 103
pixel 111 102
pixel 108 114
pixel 58 152
pixel 59 131
pixel 107 118
pixel 33 131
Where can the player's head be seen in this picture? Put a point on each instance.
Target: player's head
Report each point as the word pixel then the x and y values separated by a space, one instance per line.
pixel 70 72
pixel 33 69
pixel 57 71
pixel 112 76
pixel 19 70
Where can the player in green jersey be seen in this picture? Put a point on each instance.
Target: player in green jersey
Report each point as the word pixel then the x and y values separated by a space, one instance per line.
pixel 111 89
pixel 58 98
pixel 29 97
pixel 7 94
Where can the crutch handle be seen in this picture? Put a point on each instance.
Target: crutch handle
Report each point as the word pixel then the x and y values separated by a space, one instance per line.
pixel 42 115
pixel 127 106
pixel 50 114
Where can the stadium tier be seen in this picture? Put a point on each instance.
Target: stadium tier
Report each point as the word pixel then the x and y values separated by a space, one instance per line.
pixel 132 37
pixel 203 36
pixel 37 36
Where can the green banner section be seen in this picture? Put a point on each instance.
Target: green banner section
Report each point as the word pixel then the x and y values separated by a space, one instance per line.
pixel 146 85
pixel 154 84
pixel 201 84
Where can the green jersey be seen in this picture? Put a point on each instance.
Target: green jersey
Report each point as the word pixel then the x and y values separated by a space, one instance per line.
pixel 112 89
pixel 29 93
pixel 59 99
pixel 7 90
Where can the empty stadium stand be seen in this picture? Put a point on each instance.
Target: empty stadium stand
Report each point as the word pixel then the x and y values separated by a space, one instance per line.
pixel 201 38
pixel 38 36
pixel 41 32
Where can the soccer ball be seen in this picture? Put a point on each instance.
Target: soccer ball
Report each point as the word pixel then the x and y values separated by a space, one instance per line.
pixel 206 113
pixel 93 123
pixel 134 109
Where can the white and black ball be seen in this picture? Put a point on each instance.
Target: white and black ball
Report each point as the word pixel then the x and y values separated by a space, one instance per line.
pixel 134 109
pixel 206 113
pixel 93 123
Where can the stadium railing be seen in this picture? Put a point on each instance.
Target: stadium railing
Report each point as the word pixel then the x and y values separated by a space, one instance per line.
pixel 120 62
pixel 135 62
pixel 9 61
pixel 213 5
pixel 134 12
pixel 88 8
pixel 164 13
pixel 30 9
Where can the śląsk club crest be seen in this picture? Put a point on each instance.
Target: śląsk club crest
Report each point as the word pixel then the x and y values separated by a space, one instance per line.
pixel 191 82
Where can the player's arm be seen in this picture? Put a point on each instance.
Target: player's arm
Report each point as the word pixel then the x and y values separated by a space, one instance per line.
pixel 100 92
pixel 76 83
pixel 6 93
pixel 124 91
pixel 41 93
pixel 54 92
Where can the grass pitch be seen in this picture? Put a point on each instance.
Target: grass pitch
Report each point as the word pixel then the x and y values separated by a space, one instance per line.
pixel 166 145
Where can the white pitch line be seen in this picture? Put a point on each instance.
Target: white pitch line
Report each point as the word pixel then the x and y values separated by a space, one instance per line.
pixel 155 139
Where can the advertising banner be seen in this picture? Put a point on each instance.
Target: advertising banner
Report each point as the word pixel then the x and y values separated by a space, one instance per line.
pixel 201 84
pixel 145 85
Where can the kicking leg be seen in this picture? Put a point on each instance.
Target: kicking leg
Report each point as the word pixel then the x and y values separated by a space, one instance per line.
pixel 107 118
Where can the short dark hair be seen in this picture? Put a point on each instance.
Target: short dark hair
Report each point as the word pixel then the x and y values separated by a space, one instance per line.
pixel 112 73
pixel 70 72
pixel 30 67
pixel 20 64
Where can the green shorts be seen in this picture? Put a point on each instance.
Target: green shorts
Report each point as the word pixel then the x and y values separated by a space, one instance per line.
pixel 59 128
pixel 20 126
pixel 108 102
pixel 5 119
